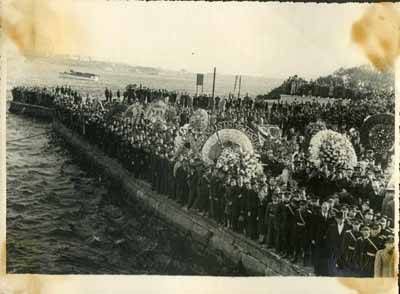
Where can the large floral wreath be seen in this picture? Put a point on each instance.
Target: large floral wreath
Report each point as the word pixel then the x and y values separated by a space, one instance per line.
pixel 236 164
pixel 378 132
pixel 333 150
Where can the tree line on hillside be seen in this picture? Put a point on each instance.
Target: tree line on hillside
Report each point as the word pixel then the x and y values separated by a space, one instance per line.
pixel 352 83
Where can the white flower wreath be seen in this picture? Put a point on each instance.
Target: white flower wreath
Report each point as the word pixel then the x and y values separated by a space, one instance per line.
pixel 332 149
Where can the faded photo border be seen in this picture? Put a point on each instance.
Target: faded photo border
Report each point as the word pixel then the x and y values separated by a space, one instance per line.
pixel 13 283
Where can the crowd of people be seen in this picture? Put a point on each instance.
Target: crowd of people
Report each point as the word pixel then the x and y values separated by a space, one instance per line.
pixel 338 223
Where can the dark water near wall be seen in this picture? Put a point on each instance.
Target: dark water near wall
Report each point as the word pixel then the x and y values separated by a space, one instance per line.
pixel 62 219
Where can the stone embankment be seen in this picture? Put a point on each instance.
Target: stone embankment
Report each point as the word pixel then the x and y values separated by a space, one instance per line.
pixel 206 233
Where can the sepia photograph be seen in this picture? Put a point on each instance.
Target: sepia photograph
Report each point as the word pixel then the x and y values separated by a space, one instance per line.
pixel 200 139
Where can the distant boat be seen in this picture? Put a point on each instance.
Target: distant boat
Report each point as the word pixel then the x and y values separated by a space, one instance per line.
pixel 79 75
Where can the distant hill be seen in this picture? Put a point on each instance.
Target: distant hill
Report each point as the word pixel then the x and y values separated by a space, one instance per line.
pixel 44 71
pixel 353 83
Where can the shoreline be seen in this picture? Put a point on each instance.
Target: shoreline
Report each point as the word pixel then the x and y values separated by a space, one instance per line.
pixel 238 249
pixel 241 251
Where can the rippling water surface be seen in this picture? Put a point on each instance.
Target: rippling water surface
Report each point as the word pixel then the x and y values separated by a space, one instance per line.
pixel 63 219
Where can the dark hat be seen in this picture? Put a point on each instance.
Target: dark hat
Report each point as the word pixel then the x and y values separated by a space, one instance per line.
pixel 375 226
pixel 339 215
pixel 383 218
pixel 364 228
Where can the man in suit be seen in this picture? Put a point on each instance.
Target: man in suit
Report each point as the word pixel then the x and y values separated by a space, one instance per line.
pixel 335 243
pixel 321 222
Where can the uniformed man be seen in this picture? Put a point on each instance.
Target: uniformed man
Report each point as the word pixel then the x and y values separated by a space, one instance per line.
pixel 214 194
pixel 182 188
pixel 263 198
pixel 229 195
pixel 272 226
pixel 368 217
pixel 303 217
pixel 194 177
pixel 367 251
pixel 289 225
pixel 252 204
pixel 203 192
pixel 239 207
pixel 348 260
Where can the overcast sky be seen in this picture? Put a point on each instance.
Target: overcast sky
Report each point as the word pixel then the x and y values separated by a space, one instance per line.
pixel 267 39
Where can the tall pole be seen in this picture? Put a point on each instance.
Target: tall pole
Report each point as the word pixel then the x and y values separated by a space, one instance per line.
pixel 213 89
pixel 234 88
pixel 240 84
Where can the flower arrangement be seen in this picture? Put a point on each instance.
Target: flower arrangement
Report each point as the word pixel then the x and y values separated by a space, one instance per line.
pixel 378 132
pixel 332 151
pixel 199 120
pixel 282 151
pixel 214 145
pixel 234 164
pixel 381 137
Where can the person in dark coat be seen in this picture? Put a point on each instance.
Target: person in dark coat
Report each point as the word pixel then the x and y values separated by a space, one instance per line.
pixel 229 195
pixel 252 203
pixel 368 253
pixel 193 179
pixel 171 178
pixel 348 260
pixel 271 223
pixel 239 207
pixel 182 188
pixel 280 238
pixel 203 193
pixel 300 236
pixel 362 249
pixel 335 244
pixel 290 225
pixel 263 196
pixel 213 200
pixel 321 223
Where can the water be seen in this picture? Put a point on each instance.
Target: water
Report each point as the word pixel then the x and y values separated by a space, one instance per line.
pixel 62 219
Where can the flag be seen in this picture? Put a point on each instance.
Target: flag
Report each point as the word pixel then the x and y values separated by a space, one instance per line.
pixel 199 79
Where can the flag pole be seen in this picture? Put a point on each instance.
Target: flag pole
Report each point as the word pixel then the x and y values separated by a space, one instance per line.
pixel 240 84
pixel 213 88
pixel 234 88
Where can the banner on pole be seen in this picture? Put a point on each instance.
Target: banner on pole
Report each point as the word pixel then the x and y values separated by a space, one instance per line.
pixel 200 79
